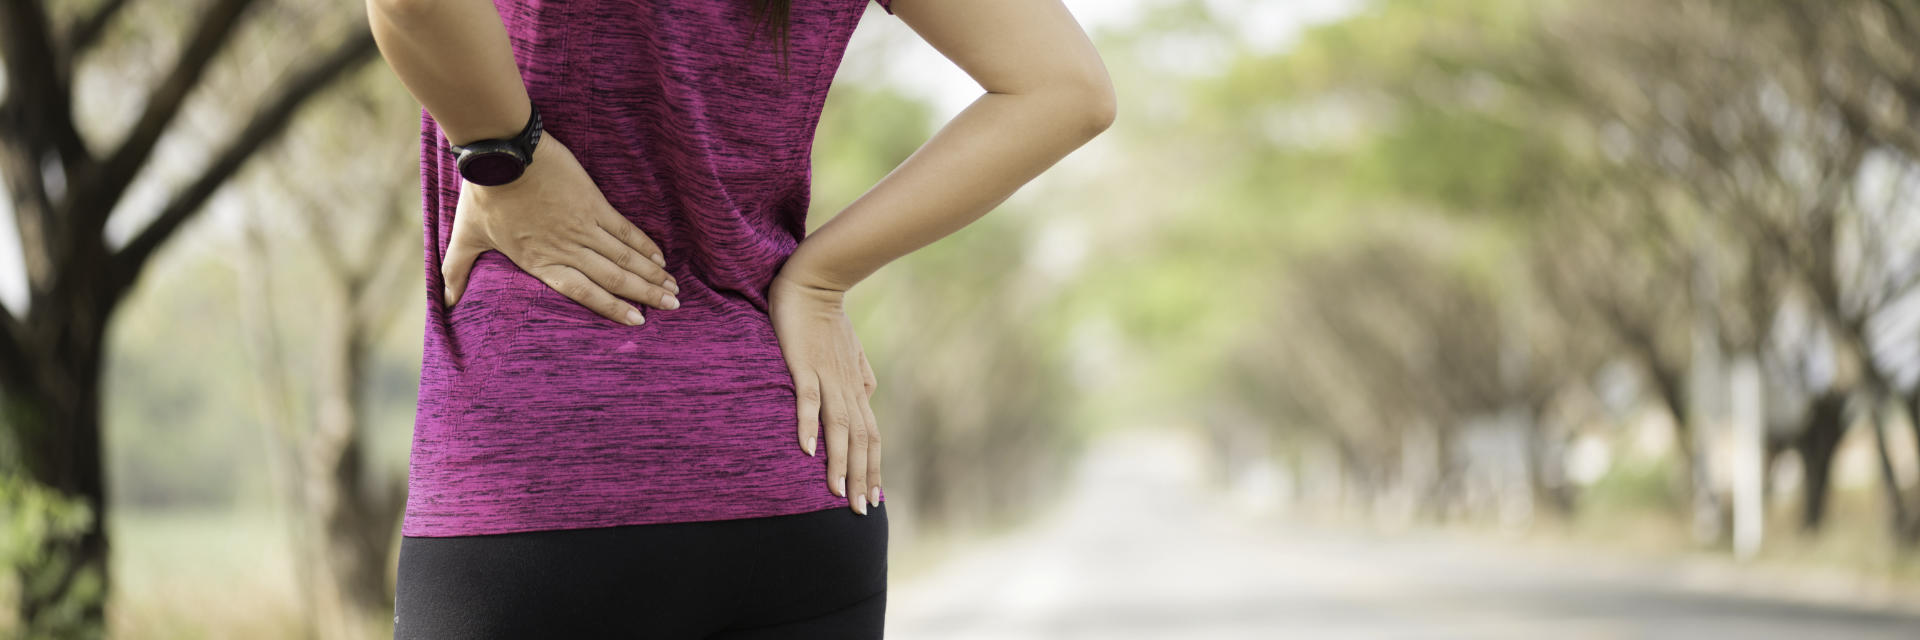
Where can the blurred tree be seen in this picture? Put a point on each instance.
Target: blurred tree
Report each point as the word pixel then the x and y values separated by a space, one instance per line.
pixel 62 192
pixel 1681 178
pixel 1770 147
pixel 360 224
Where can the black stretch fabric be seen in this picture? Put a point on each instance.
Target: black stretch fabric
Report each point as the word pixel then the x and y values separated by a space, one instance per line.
pixel 817 574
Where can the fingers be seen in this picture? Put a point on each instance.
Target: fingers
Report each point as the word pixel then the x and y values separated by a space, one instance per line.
pixel 626 245
pixel 806 389
pixel 873 452
pixel 616 278
pixel 839 423
pixel 455 267
pixel 859 435
pixel 577 286
pixel 624 231
pixel 869 382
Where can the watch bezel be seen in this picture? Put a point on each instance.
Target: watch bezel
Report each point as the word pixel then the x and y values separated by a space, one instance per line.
pixel 472 156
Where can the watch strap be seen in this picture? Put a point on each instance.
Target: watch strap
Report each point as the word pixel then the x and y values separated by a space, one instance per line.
pixel 523 142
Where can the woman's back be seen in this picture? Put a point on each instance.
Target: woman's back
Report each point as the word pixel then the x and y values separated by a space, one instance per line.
pixel 534 412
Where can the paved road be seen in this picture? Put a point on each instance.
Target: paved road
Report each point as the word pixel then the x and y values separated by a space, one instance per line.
pixel 1138 551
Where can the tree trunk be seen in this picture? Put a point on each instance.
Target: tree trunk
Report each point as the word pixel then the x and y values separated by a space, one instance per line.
pixel 1826 422
pixel 1910 534
pixel 345 527
pixel 55 414
pixel 1548 482
pixel 1896 499
pixel 357 519
pixel 62 195
pixel 1691 476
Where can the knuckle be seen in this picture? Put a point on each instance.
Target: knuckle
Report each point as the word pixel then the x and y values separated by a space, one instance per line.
pixel 626 257
pixel 620 280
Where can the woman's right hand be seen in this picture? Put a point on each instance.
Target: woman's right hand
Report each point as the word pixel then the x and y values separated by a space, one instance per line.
pixel 554 223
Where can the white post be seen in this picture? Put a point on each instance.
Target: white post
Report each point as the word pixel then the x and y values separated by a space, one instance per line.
pixel 1749 457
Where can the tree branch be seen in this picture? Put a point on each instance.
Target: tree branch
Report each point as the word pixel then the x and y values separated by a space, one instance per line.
pixel 107 182
pixel 357 48
pixel 38 112
pixel 27 49
pixel 87 30
pixel 15 370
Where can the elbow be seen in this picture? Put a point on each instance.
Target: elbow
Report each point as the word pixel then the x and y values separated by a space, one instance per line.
pixel 1096 105
pixel 1101 107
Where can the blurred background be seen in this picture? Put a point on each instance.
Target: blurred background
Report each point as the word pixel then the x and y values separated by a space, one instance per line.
pixel 1389 319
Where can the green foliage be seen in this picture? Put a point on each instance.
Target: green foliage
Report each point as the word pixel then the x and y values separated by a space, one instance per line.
pixel 38 521
pixel 864 132
pixel 1462 161
pixel 1634 485
pixel 180 409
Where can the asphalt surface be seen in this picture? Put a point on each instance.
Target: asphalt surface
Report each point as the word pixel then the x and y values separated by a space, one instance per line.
pixel 1141 550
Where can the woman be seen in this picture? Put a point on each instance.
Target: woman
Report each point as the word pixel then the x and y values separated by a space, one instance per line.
pixel 584 468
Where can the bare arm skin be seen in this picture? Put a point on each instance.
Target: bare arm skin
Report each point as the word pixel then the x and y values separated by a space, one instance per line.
pixel 1047 93
pixel 455 57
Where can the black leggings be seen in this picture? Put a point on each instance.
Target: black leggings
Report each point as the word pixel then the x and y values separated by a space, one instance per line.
pixel 820 574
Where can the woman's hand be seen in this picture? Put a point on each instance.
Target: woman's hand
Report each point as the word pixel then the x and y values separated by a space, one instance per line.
pixel 554 223
pixel 832 382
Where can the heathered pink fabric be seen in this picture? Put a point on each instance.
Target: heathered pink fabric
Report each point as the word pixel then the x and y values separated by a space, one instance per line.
pixel 537 414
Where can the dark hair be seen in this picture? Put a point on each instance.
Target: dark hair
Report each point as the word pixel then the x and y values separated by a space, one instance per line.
pixel 777 10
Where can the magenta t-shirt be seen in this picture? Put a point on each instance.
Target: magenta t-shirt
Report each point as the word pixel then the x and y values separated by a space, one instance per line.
pixel 534 412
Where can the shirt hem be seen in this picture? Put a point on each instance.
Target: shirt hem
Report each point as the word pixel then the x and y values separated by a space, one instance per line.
pixel 428 527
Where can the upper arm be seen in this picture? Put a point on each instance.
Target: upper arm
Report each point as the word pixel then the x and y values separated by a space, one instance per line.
pixel 1010 46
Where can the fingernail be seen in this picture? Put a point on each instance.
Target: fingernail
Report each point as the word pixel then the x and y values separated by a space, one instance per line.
pixel 672 302
pixel 634 317
pixel 658 259
pixel 810 441
pixel 861 506
pixel 874 496
pixel 840 486
pixel 673 286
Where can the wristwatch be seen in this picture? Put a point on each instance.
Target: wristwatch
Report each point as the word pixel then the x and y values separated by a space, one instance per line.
pixel 497 161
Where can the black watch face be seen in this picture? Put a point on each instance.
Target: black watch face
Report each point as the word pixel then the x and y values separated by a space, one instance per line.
pixel 490 169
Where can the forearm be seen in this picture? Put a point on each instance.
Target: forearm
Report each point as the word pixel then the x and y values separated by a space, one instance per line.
pixel 979 159
pixel 455 58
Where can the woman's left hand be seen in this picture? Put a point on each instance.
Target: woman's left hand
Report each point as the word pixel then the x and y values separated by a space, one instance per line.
pixel 832 383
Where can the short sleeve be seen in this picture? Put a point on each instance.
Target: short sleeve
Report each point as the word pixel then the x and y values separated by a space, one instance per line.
pixel 886 4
